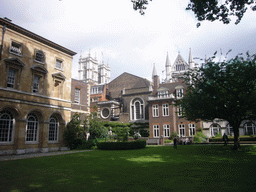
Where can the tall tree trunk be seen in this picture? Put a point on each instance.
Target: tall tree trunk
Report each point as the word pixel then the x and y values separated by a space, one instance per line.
pixel 236 136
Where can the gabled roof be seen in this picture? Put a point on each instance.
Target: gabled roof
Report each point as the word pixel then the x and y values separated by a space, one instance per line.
pixel 126 81
pixel 172 86
pixel 179 60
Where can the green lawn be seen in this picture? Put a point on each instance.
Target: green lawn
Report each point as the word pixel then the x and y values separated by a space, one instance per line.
pixel 189 168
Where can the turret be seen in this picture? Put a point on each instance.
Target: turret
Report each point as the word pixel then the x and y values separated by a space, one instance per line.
pixel 168 69
pixel 156 80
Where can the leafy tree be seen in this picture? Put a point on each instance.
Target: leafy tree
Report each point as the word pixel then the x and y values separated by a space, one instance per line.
pixel 75 132
pixel 224 90
pixel 210 10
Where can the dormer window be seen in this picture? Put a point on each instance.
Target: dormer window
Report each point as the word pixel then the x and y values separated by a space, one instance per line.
pixel 16 48
pixel 39 56
pixel 162 94
pixel 179 93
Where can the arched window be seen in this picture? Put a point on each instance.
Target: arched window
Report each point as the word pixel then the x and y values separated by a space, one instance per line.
pixel 6 126
pixel 53 129
pixel 230 130
pixel 215 129
pixel 137 109
pixel 32 128
pixel 249 128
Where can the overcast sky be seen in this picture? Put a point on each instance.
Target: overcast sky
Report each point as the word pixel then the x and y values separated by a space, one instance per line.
pixel 129 41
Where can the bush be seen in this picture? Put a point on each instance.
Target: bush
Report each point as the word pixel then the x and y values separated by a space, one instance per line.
pixel 122 145
pixel 86 144
pixel 144 133
pixel 199 137
pixel 174 134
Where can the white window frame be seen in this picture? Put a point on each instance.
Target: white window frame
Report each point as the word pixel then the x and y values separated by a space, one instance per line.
pixel 6 127
pixel 156 131
pixel 42 56
pixel 165 109
pixel 179 93
pixel 230 130
pixel 252 127
pixel 16 48
pixel 166 128
pixel 33 128
pixel 182 131
pixel 59 64
pixel 53 135
pixel 162 94
pixel 192 129
pixel 137 109
pixel 180 111
pixel 213 129
pixel 77 95
pixel 36 82
pixel 11 78
pixel 155 110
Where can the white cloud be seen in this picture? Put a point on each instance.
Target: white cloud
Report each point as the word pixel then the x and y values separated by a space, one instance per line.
pixel 129 42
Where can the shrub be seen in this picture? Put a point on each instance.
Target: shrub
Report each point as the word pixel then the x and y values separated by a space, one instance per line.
pixel 174 134
pixel 122 145
pixel 144 133
pixel 86 144
pixel 199 137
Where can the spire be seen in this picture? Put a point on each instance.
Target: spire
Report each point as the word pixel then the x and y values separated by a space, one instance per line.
pixel 190 60
pixel 154 71
pixel 167 63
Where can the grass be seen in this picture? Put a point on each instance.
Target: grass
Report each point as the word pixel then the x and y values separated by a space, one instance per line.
pixel 189 168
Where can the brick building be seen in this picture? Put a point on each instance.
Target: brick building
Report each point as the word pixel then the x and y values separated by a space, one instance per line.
pixel 80 98
pixel 35 91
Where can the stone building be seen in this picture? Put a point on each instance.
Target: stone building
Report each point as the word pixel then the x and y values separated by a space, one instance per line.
pixel 35 91
pixel 90 71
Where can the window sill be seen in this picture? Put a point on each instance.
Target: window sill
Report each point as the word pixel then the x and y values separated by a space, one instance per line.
pixel 43 63
pixel 59 69
pixel 17 54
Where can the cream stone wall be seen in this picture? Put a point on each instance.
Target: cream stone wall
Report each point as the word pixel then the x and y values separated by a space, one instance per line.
pixel 20 101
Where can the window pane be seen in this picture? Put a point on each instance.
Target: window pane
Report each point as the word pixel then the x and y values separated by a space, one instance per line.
pixel 77 95
pixel 53 129
pixel 11 78
pixel 6 126
pixel 36 84
pixel 32 127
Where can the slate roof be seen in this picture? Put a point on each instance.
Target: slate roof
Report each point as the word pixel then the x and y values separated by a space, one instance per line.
pixel 171 86
pixel 127 81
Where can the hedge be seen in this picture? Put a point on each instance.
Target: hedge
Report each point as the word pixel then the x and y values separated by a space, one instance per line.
pixel 122 145
pixel 232 139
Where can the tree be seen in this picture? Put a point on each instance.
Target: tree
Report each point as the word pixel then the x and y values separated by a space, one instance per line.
pixel 75 133
pixel 224 90
pixel 210 10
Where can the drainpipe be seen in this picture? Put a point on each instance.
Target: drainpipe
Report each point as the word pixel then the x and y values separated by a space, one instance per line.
pixel 1 48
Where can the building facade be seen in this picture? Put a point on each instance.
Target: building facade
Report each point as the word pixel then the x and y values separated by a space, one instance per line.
pixel 80 98
pixel 127 97
pixel 35 91
pixel 165 117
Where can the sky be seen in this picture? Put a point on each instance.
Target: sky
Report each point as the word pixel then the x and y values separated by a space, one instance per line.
pixel 127 41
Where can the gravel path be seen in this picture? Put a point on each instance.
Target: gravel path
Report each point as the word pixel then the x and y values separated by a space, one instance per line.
pixel 34 155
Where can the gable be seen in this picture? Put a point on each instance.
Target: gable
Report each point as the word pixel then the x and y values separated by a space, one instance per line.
pixel 127 81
